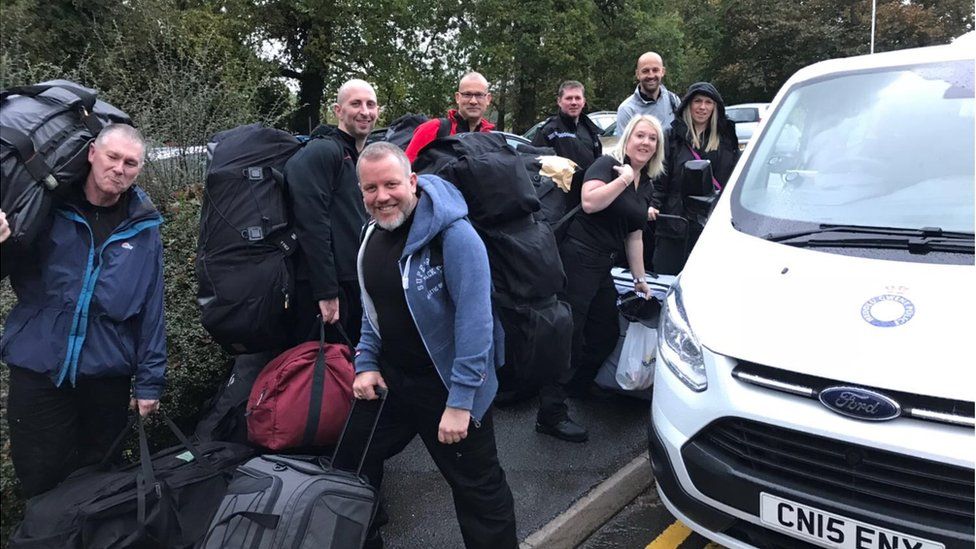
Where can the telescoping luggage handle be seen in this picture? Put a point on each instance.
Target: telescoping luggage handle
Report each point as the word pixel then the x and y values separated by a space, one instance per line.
pixel 382 393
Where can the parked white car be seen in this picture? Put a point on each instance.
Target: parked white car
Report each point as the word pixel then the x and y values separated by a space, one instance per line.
pixel 815 374
pixel 746 117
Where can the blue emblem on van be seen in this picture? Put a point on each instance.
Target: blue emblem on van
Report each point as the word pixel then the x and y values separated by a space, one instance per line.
pixel 859 403
pixel 885 311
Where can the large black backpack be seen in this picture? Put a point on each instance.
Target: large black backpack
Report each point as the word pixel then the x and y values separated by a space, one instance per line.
pixel 45 130
pixel 487 171
pixel 243 264
pixel 400 131
pixel 526 270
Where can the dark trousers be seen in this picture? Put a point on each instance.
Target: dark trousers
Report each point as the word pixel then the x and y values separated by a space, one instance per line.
pixel 55 430
pixel 482 499
pixel 593 299
pixel 307 311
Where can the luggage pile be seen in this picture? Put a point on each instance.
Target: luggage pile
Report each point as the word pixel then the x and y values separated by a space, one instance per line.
pixel 164 500
pixel 526 269
pixel 209 495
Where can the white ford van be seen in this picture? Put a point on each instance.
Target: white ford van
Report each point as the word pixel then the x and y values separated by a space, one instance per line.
pixel 817 355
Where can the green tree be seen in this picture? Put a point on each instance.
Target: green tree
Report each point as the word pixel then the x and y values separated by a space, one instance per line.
pixel 763 42
pixel 391 43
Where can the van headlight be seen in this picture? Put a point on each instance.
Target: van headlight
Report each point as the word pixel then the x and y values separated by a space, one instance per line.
pixel 678 346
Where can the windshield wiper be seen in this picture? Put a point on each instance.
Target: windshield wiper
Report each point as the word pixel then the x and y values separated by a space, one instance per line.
pixel 913 245
pixel 861 230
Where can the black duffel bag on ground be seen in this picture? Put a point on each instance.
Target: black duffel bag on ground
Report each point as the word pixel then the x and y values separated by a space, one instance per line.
pixel 45 130
pixel 538 341
pixel 164 501
pixel 224 414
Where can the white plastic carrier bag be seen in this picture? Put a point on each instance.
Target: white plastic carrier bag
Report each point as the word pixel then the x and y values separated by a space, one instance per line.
pixel 635 369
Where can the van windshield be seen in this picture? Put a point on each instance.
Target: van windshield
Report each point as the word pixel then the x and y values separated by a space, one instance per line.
pixel 890 148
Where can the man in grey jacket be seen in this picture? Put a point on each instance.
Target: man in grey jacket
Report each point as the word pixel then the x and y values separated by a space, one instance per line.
pixel 418 260
pixel 650 97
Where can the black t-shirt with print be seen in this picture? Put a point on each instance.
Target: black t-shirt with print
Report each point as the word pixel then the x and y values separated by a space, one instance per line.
pixel 402 346
pixel 608 228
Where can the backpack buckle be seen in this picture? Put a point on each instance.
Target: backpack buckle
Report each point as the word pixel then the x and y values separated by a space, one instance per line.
pixel 253 233
pixel 255 173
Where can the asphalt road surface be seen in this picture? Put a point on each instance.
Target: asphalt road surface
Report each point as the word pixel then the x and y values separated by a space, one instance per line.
pixel 546 475
pixel 646 524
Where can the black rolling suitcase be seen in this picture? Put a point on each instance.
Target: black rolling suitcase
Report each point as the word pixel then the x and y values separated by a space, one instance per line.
pixel 279 501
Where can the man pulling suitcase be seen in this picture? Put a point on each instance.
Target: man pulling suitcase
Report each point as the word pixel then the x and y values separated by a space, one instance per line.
pixel 418 258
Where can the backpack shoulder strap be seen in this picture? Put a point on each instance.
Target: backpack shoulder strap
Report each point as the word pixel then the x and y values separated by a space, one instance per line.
pixel 675 102
pixel 443 128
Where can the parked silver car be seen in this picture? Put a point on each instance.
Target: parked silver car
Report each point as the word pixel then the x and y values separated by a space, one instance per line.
pixel 746 117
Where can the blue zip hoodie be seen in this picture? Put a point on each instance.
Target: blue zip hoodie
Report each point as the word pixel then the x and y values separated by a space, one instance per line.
pixel 464 340
pixel 87 312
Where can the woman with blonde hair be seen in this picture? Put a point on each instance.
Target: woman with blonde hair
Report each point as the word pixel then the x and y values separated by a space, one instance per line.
pixel 700 131
pixel 615 198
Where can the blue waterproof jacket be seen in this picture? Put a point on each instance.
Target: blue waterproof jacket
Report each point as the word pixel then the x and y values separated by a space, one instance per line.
pixel 85 312
pixel 450 303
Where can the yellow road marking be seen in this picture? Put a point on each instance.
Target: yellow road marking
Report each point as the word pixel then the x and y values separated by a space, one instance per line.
pixel 713 545
pixel 671 537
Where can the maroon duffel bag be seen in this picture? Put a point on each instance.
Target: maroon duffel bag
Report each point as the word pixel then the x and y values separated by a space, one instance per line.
pixel 302 397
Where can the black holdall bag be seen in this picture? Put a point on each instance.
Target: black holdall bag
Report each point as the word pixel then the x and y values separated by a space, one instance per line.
pixel 224 414
pixel 164 501
pixel 524 258
pixel 487 171
pixel 538 340
pixel 278 502
pixel 400 131
pixel 45 130
pixel 243 262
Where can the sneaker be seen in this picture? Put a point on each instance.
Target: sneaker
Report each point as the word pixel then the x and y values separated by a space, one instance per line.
pixel 566 429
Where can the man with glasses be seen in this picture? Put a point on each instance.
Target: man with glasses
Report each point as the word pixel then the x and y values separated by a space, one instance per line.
pixel 472 100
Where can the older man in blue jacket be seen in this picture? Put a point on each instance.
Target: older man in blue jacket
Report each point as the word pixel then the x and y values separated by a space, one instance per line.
pixel 429 333
pixel 86 339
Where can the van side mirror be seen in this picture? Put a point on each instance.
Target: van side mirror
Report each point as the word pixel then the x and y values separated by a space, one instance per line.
pixel 697 178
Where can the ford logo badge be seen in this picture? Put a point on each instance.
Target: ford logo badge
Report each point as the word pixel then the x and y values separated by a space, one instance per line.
pixel 859 403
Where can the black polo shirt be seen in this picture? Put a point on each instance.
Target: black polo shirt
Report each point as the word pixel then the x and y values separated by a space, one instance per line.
pixel 608 228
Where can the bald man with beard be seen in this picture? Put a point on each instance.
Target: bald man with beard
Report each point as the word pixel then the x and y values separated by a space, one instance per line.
pixel 472 98
pixel 650 97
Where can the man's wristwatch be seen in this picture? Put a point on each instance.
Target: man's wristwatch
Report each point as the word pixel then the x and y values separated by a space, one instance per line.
pixel 639 280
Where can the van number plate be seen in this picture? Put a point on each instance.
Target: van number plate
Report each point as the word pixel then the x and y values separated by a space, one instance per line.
pixel 830 530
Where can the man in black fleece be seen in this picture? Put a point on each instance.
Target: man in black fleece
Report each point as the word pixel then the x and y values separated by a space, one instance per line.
pixel 572 135
pixel 329 214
